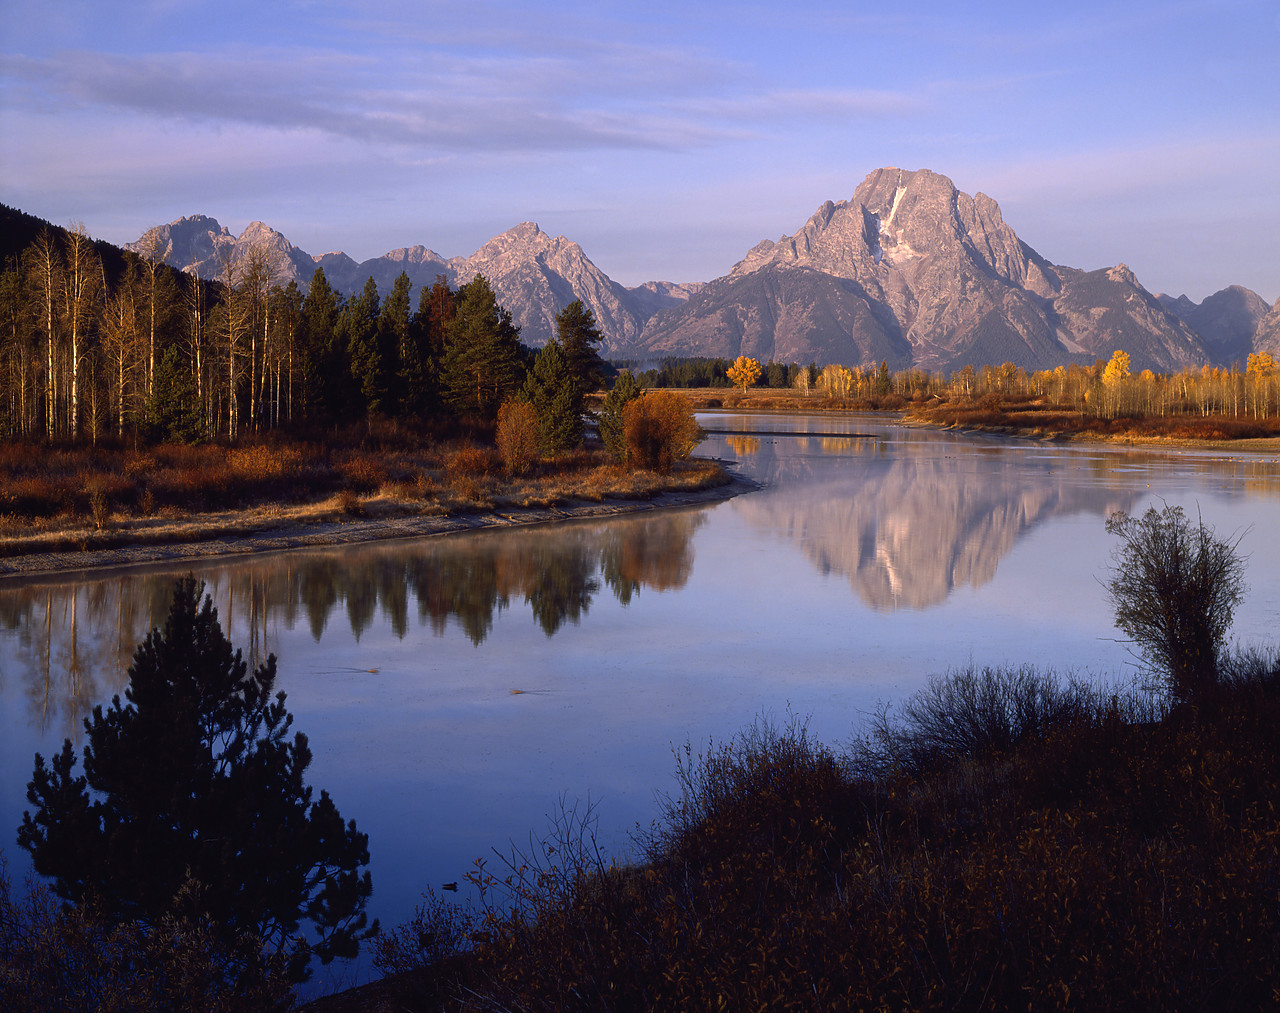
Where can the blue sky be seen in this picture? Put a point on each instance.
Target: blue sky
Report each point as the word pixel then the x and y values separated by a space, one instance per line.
pixel 666 138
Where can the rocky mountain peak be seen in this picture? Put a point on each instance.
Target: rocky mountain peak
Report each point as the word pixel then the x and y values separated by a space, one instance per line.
pixel 1267 337
pixel 896 219
pixel 415 255
pixel 916 272
pixel 1122 274
pixel 522 236
pixel 536 276
pixel 1228 321
pixel 909 270
pixel 186 243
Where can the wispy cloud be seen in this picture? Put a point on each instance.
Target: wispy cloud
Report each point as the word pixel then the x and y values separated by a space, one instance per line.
pixel 612 97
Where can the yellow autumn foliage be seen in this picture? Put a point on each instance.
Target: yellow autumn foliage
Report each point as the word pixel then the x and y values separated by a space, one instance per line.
pixel 744 372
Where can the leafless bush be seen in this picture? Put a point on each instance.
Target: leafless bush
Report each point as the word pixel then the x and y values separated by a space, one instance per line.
pixel 1175 587
pixel 976 713
pixel 756 768
pixel 99 504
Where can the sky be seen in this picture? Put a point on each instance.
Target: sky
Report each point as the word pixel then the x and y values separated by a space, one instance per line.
pixel 666 138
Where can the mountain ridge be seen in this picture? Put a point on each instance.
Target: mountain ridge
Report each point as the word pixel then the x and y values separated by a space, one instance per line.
pixel 909 270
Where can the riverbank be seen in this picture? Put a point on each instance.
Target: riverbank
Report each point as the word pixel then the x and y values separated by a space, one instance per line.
pixel 958 857
pixel 274 528
pixel 1038 420
pixel 1260 445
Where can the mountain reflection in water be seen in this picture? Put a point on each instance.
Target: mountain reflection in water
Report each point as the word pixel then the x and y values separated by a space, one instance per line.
pixel 75 641
pixel 908 523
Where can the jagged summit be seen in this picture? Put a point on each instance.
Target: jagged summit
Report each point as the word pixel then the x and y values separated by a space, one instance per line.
pixel 909 270
pixel 916 272
pixel 534 274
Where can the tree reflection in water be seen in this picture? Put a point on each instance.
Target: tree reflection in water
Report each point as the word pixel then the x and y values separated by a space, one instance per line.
pixel 74 640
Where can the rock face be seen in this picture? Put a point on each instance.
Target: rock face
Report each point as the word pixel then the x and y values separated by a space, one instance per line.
pixel 1267 338
pixel 533 274
pixel 915 272
pixel 909 271
pixel 1226 321
pixel 189 244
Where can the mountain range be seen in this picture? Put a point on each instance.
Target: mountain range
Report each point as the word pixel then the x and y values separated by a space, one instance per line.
pixel 909 270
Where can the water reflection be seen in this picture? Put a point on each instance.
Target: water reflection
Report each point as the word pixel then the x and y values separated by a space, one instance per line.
pixel 74 641
pixel 909 520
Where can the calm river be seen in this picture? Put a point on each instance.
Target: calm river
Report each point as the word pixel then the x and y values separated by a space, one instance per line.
pixel 456 690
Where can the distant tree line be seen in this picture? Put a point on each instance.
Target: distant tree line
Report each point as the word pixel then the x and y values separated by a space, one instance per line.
pixel 677 371
pixel 131 348
pixel 1107 388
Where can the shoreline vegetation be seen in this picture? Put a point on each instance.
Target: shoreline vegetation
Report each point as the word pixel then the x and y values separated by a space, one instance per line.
pixel 69 509
pixel 1105 401
pixel 1037 418
pixel 1007 839
pixel 1023 415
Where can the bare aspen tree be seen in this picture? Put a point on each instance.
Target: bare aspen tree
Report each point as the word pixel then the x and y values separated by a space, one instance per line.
pixel 44 263
pixel 195 340
pixel 286 319
pixel 153 258
pixel 121 338
pixel 82 287
pixel 234 328
pixel 255 286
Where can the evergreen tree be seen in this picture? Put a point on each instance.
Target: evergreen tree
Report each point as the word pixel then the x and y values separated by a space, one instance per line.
pixel 612 430
pixel 359 328
pixel 437 306
pixel 193 802
pixel 482 357
pixel 551 389
pixel 172 412
pixel 578 336
pixel 394 341
pixel 420 371
pixel 323 365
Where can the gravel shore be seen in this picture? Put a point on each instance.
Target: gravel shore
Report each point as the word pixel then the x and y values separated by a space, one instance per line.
pixel 23 568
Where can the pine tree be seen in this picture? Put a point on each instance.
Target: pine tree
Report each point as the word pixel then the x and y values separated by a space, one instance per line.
pixel 394 342
pixel 482 362
pixel 420 371
pixel 578 335
pixel 551 390
pixel 359 326
pixel 612 430
pixel 193 802
pixel 323 363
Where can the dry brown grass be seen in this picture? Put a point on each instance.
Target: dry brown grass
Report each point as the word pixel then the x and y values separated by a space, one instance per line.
pixel 1026 416
pixel 54 501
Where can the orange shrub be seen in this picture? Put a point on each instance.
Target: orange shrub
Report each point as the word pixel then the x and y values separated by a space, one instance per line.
pixel 469 462
pixel 517 435
pixel 660 429
pixel 363 473
pixel 263 461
